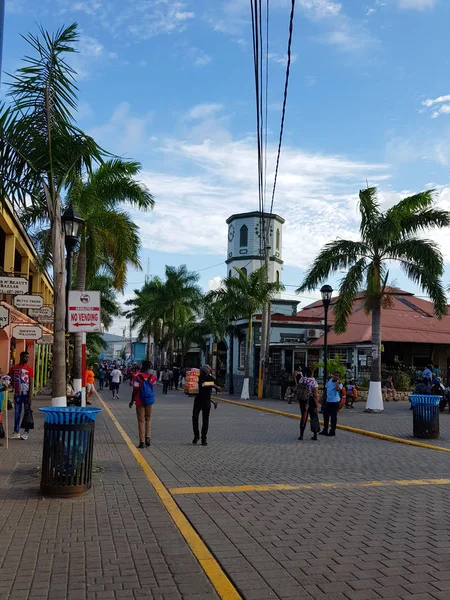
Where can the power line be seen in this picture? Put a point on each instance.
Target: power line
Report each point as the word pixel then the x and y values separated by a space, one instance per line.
pixel 283 112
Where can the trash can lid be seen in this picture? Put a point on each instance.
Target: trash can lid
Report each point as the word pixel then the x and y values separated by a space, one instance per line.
pixel 69 414
pixel 425 399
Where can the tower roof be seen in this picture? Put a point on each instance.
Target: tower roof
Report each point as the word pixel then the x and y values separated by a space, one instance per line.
pixel 257 214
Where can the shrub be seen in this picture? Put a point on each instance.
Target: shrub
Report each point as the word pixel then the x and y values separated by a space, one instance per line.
pixel 402 381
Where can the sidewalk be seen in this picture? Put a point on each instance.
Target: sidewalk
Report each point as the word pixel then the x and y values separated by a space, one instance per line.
pixel 116 542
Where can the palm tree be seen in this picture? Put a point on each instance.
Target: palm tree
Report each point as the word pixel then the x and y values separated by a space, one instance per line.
pixel 393 235
pixel 42 152
pixel 187 330
pixel 216 319
pixel 180 290
pixel 243 297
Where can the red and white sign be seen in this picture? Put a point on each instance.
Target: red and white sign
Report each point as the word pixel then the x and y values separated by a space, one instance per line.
pixel 84 311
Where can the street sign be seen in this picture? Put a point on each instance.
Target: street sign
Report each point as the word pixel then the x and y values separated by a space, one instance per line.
pixel 27 332
pixel 41 315
pixel 28 301
pixel 84 311
pixel 4 317
pixel 13 285
pixel 46 339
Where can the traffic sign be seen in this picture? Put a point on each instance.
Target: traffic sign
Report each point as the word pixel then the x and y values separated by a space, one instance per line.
pixel 84 311
pixel 4 317
pixel 27 332
pixel 13 285
pixel 46 339
pixel 42 315
pixel 28 301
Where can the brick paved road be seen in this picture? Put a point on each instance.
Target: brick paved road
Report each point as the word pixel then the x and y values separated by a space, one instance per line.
pixel 396 419
pixel 114 543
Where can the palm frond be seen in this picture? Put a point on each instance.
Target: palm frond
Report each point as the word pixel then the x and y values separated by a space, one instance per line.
pixel 349 287
pixel 425 253
pixel 430 284
pixel 370 211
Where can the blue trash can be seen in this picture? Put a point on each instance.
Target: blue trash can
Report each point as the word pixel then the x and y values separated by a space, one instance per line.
pixel 425 416
pixel 68 449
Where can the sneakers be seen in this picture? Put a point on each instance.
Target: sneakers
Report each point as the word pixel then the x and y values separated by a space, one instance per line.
pixel 300 437
pixel 331 433
pixel 204 443
pixel 195 440
pixel 141 445
pixel 147 441
pixel 323 432
pixel 24 435
pixel 15 436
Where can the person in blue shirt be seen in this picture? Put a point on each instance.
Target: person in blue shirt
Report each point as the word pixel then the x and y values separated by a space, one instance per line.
pixel 333 397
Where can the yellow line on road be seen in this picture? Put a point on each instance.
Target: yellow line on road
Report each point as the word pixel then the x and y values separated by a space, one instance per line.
pixel 373 434
pixel 223 489
pixel 216 575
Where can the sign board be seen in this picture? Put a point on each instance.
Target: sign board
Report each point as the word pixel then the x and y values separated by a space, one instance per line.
pixel 13 285
pixel 28 301
pixel 4 317
pixel 42 315
pixel 46 339
pixel 84 311
pixel 27 332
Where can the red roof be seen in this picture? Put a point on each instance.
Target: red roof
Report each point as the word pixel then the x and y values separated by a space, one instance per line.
pixel 408 319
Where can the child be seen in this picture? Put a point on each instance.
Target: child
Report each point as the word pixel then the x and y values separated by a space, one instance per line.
pixel 351 394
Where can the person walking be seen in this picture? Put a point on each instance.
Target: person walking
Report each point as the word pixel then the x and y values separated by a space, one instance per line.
pixel 165 378
pixel 307 395
pixel 176 377
pixel 202 403
pixel 171 378
pixel 334 387
pixel 116 377
pixel 21 378
pixel 101 377
pixel 90 382
pixel 144 397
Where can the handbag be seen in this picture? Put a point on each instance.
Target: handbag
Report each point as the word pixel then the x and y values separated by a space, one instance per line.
pixel 315 425
pixel 28 420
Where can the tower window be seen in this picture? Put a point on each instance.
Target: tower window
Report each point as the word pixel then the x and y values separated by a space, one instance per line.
pixel 229 273
pixel 278 276
pixel 243 236
pixel 244 272
pixel 278 239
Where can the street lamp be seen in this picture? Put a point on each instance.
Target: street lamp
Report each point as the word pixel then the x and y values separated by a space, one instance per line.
pixel 72 223
pixel 325 292
pixel 230 368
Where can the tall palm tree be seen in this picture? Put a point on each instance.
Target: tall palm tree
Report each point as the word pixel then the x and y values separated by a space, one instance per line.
pixel 216 319
pixel 42 152
pixel 243 297
pixel 393 235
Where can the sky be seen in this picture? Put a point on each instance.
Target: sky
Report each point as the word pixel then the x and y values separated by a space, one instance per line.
pixel 170 83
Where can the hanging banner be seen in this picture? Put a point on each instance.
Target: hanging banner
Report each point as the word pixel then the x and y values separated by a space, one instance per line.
pixel 84 311
pixel 4 317
pixel 13 285
pixel 28 301
pixel 24 332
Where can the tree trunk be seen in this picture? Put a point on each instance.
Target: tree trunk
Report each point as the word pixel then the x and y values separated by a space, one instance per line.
pixel 59 397
pixel 214 356
pixel 78 337
pixel 375 398
pixel 172 336
pixel 148 345
pixel 245 394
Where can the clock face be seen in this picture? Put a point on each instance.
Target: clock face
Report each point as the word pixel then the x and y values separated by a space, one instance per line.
pixel 231 233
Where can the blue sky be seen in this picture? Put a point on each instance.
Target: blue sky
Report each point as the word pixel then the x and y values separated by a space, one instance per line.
pixel 170 83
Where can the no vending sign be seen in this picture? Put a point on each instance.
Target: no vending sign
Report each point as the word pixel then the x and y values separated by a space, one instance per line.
pixel 84 311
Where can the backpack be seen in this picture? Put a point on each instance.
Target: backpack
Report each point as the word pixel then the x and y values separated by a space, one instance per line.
pixel 302 392
pixel 146 393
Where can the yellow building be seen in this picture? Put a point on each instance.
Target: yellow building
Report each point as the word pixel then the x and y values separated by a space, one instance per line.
pixel 18 257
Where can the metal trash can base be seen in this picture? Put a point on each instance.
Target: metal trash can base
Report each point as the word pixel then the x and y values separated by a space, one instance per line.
pixel 68 450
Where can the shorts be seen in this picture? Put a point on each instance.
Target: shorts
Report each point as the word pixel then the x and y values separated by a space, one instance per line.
pixel 114 386
pixel 90 387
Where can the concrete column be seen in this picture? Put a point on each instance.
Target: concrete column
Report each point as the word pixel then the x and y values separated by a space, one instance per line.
pixel 10 249
pixel 25 266
pixel 37 279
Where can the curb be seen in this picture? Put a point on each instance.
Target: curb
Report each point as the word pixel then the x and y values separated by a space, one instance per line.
pixel 366 432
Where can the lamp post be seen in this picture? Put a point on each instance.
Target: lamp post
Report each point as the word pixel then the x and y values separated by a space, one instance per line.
pixel 230 368
pixel 72 222
pixel 325 292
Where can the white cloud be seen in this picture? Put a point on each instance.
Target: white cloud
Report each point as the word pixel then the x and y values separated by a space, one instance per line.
pixel 124 129
pixel 281 59
pixel 214 283
pixel 321 9
pixel 440 106
pixel 431 102
pixel 417 4
pixel 203 111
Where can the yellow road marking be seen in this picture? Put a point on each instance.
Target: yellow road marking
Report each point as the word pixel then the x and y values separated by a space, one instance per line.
pixel 373 434
pixel 223 489
pixel 218 578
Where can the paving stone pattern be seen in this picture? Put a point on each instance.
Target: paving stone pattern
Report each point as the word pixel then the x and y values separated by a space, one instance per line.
pixel 333 544
pixel 116 542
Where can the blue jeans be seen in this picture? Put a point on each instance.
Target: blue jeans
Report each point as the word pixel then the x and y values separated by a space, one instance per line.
pixel 20 401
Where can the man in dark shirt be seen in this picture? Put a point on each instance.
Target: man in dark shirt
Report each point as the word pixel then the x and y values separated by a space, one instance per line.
pixel 202 403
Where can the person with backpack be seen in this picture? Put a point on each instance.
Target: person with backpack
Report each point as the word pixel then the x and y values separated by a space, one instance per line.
pixel 144 397
pixel 307 396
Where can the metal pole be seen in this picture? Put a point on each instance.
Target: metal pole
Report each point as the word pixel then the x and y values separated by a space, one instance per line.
pixel 325 357
pixel 230 369
pixel 264 327
pixel 2 27
pixel 68 283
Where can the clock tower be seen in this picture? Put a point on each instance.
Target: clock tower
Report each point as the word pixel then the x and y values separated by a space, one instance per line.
pixel 246 246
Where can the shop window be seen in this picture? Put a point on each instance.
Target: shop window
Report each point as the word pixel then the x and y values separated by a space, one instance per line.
pixel 277 237
pixel 335 352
